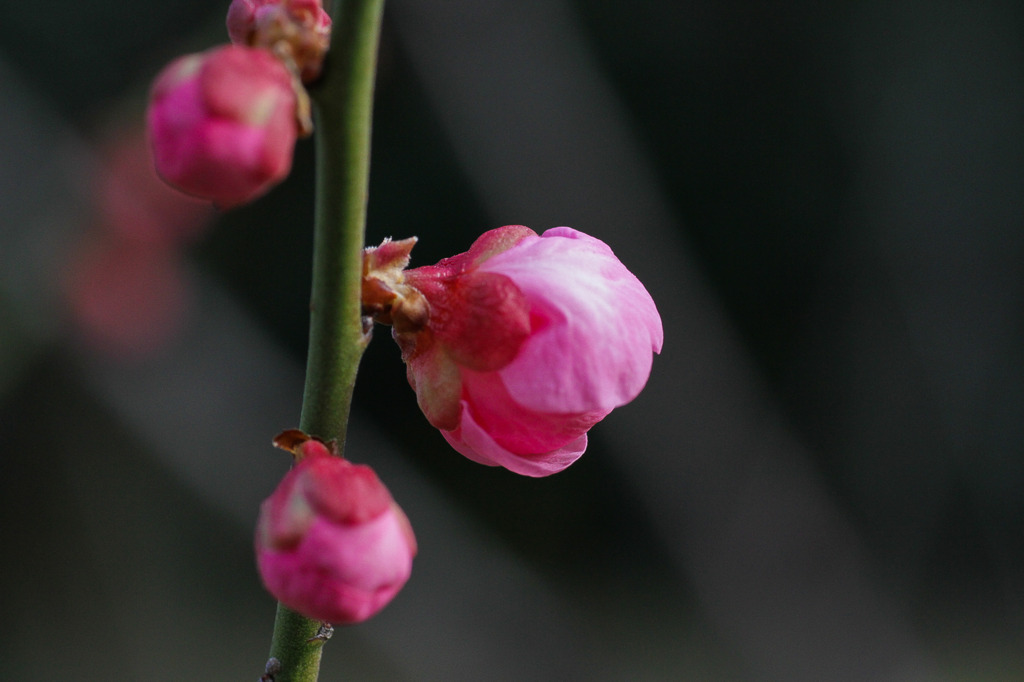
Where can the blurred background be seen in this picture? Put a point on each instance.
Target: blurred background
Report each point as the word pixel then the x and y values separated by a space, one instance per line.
pixel 822 480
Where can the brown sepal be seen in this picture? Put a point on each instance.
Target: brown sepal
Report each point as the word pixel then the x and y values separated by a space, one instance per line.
pixel 292 440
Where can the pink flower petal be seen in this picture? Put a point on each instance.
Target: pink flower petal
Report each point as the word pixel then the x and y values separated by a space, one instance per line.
pixel 340 574
pixel 476 444
pixel 595 325
pixel 519 430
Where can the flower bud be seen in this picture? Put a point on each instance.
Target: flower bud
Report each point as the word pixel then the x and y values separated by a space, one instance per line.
pixel 222 123
pixel 127 298
pixel 299 29
pixel 520 345
pixel 331 543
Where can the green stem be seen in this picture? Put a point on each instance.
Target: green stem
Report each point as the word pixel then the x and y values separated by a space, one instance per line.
pixel 343 107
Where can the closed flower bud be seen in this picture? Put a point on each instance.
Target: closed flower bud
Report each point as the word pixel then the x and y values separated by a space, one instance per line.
pixel 331 543
pixel 222 123
pixel 300 29
pixel 520 345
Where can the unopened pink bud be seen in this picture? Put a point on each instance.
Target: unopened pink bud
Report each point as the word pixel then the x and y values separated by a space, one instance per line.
pixel 331 543
pixel 301 28
pixel 128 298
pixel 222 123
pixel 524 343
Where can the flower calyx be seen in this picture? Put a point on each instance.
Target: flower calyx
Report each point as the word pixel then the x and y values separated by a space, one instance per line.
pixel 386 297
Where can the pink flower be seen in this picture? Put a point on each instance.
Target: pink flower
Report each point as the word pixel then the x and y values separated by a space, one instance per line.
pixel 331 543
pixel 222 123
pixel 520 345
pixel 302 25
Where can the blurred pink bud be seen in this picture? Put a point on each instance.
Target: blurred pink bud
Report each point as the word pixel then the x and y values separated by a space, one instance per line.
pixel 222 123
pixel 132 202
pixel 300 27
pixel 518 346
pixel 126 297
pixel 331 543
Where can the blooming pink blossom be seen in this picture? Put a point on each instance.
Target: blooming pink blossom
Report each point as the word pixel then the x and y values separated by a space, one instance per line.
pixel 222 123
pixel 331 543
pixel 520 345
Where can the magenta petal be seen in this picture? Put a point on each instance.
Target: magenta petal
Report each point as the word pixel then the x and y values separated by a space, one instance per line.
pixel 595 325
pixel 495 241
pixel 476 444
pixel 517 429
pixel 340 574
